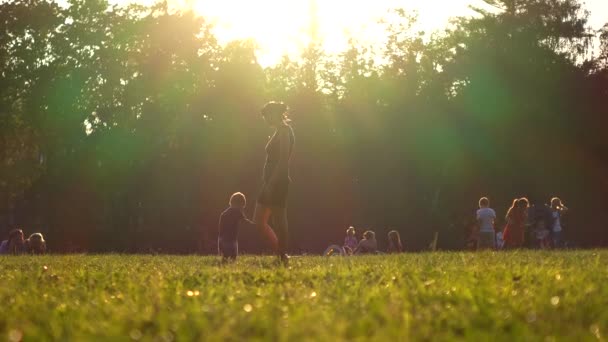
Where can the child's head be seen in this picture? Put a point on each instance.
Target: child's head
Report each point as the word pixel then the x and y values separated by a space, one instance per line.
pixel 369 235
pixel 238 200
pixel 36 244
pixel 15 241
pixel 523 203
pixel 484 202
pixel 15 235
pixel 556 203
pixel 350 231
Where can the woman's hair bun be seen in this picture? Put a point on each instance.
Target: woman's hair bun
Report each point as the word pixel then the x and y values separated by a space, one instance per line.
pixel 274 108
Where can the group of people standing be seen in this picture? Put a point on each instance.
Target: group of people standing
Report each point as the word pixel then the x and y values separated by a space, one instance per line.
pixel 17 244
pixel 535 225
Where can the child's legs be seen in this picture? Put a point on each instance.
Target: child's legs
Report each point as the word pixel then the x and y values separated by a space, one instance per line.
pixel 486 240
pixel 261 215
pixel 228 249
pixel 557 239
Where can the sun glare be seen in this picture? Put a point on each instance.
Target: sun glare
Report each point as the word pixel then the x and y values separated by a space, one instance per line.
pixel 285 27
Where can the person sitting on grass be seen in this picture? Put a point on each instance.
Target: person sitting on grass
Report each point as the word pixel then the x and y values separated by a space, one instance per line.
pixel 227 241
pixel 350 241
pixel 35 244
pixel 394 242
pixel 368 244
pixel 15 243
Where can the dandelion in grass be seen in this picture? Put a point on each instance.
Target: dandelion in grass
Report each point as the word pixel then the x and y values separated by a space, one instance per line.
pixel 595 330
pixel 555 300
pixel 247 307
pixel 135 334
pixel 15 335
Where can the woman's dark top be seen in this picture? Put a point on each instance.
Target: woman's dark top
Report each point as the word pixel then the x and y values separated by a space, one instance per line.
pixel 273 154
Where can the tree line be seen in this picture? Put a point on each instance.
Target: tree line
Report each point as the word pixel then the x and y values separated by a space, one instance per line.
pixel 127 128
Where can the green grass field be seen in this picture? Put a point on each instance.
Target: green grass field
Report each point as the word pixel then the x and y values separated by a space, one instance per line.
pixel 516 296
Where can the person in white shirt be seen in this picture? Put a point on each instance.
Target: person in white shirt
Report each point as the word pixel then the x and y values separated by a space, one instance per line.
pixel 557 207
pixel 485 220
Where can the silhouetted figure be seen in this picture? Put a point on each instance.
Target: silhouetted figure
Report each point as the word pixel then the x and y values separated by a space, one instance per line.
pixel 557 208
pixel 394 242
pixel 272 200
pixel 15 243
pixel 514 231
pixel 471 233
pixel 540 218
pixel 542 234
pixel 485 220
pixel 35 244
pixel 367 245
pixel 350 241
pixel 227 241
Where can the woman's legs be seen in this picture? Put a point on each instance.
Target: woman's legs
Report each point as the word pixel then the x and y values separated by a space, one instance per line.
pixel 279 220
pixel 261 215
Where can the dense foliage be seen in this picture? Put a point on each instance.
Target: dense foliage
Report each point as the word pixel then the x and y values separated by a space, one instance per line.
pixel 127 128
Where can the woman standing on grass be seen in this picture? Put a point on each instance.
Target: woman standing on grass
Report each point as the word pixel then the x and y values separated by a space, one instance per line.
pixel 272 200
pixel 517 216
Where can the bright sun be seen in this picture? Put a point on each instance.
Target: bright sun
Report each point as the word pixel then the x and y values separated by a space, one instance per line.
pixel 285 26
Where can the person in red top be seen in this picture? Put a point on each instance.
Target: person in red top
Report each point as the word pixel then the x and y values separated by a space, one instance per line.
pixel 517 216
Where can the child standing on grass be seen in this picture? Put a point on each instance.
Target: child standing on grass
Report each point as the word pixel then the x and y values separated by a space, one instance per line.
pixel 485 218
pixel 227 241
pixel 557 208
pixel 543 240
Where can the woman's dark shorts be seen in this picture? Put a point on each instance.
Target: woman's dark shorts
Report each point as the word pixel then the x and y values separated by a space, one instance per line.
pixel 275 196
